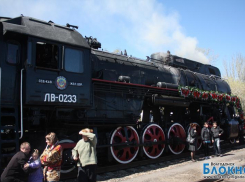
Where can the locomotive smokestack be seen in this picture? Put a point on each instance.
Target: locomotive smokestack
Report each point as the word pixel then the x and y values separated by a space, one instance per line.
pixel 125 53
pixel 168 56
pixel 160 56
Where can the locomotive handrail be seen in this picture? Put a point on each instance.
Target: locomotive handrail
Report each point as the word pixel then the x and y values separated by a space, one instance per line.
pixel 132 84
pixel 21 104
pixel 49 69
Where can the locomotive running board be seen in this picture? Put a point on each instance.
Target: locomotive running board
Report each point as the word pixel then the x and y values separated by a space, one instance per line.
pixel 139 88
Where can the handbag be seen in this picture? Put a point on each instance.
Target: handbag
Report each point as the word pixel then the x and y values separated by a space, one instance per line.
pixel 190 139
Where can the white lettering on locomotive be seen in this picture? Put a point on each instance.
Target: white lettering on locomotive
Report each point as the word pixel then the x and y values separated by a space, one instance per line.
pixel 50 97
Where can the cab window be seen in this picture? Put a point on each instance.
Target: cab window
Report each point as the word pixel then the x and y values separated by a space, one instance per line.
pixel 47 55
pixel 12 53
pixel 73 60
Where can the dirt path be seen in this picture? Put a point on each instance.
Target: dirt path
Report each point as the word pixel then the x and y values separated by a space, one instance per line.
pixel 184 171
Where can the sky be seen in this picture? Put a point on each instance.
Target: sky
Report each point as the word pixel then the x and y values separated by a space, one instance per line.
pixel 143 27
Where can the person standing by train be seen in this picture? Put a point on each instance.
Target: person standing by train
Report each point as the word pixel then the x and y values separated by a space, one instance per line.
pixel 193 145
pixel 216 133
pixel 51 158
pixel 85 155
pixel 206 136
pixel 15 171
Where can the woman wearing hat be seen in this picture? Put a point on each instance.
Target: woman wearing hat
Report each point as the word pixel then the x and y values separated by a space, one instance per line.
pixel 85 153
pixel 51 158
pixel 193 145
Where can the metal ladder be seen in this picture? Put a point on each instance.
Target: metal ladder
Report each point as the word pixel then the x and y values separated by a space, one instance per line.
pixel 9 138
pixel 9 131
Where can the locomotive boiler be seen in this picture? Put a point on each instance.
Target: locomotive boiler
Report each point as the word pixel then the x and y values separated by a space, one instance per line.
pixel 54 79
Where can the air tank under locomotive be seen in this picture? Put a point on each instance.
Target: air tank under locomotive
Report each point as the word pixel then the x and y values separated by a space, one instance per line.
pixel 54 79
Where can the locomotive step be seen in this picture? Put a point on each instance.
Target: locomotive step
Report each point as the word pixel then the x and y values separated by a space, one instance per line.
pixel 7 114
pixel 7 127
pixel 8 155
pixel 8 141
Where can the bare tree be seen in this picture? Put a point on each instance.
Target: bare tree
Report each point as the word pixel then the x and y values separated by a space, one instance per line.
pixel 235 67
pixel 209 53
pixel 235 75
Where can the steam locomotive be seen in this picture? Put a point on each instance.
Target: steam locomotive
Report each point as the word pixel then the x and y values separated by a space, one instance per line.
pixel 54 79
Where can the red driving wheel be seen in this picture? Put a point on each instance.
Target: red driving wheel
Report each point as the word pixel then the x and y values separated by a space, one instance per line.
pixel 176 131
pixel 121 154
pixel 153 133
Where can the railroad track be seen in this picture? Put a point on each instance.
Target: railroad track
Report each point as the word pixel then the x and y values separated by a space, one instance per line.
pixel 108 172
pixel 168 157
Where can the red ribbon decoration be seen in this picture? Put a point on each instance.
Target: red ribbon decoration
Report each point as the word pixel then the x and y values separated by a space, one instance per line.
pixel 185 92
pixel 196 94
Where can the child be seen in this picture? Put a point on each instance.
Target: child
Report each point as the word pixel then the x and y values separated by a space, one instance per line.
pixel 34 165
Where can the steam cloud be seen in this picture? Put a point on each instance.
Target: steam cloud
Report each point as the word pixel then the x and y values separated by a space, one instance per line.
pixel 144 27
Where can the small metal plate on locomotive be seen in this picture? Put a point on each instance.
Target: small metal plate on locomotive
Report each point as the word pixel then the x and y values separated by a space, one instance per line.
pixel 233 128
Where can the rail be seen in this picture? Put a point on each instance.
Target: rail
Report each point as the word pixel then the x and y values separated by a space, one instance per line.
pixel 169 157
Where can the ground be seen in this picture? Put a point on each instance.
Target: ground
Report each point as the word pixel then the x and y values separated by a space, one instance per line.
pixel 183 170
pixel 177 170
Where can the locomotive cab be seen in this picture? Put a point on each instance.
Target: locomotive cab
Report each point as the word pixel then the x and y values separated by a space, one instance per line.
pixel 53 60
pixel 57 74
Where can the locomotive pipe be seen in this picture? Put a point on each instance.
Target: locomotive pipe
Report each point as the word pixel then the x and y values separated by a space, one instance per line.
pixel 169 101
pixel 167 85
pixel 21 104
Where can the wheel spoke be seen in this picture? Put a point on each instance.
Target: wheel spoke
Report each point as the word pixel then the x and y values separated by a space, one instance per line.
pixel 152 152
pixel 159 135
pixel 120 135
pixel 124 156
pixel 177 129
pixel 131 137
pixel 173 131
pixel 149 132
pixel 156 150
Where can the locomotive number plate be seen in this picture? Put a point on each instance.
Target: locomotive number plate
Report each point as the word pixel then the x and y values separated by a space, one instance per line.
pixel 49 97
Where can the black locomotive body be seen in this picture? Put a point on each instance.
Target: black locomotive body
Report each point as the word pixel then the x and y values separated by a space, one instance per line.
pixel 53 79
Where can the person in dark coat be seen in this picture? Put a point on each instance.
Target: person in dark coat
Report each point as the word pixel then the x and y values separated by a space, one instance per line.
pixel 216 132
pixel 206 138
pixel 193 146
pixel 15 171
